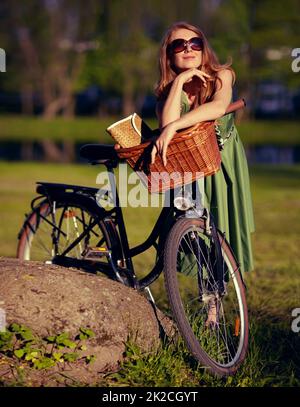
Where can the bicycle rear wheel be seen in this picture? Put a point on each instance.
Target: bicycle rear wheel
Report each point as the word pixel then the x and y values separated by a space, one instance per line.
pixel 213 325
pixel 64 230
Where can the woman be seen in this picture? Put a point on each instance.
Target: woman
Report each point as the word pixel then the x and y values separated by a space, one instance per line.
pixel 193 87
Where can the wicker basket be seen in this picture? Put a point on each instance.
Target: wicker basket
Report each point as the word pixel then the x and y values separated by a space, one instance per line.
pixel 192 153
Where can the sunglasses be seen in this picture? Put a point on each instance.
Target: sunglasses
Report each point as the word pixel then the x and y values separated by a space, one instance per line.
pixel 180 45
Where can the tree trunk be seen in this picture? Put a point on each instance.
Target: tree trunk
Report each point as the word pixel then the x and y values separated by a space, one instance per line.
pixel 69 109
pixel 52 109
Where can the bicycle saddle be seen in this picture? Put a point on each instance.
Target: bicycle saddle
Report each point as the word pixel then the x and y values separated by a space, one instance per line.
pixel 99 153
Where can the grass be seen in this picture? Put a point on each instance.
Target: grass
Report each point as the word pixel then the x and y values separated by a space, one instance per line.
pixel 29 129
pixel 273 288
pixel 172 365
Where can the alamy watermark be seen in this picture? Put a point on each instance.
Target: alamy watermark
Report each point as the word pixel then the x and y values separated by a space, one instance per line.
pixel 2 320
pixel 296 321
pixel 2 60
pixel 296 61
pixel 133 188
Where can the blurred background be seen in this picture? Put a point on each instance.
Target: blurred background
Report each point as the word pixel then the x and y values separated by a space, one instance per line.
pixel 90 62
pixel 74 67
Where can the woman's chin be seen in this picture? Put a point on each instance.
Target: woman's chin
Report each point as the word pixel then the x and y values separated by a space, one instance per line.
pixel 188 65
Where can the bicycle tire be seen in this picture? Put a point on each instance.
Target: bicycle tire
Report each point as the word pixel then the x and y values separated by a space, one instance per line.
pixel 36 236
pixel 191 300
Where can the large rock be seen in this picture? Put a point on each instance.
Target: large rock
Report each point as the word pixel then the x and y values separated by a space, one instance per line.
pixel 50 300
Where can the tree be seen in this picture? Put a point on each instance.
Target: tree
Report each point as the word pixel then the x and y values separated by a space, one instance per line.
pixel 48 45
pixel 123 63
pixel 259 36
pixel 126 62
pixel 276 31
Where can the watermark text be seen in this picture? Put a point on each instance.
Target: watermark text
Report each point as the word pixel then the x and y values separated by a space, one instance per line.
pixel 2 320
pixel 296 321
pixel 296 61
pixel 135 189
pixel 2 60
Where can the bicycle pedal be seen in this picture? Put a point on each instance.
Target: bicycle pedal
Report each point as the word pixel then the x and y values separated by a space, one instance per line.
pixel 94 253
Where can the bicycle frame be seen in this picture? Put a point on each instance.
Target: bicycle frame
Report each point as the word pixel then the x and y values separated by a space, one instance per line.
pixel 113 219
pixel 165 214
pixel 52 192
pixel 128 252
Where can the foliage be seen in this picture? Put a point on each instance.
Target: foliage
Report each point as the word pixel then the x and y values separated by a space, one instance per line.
pixel 68 46
pixel 46 52
pixel 277 31
pixel 260 37
pixel 26 349
pixel 166 367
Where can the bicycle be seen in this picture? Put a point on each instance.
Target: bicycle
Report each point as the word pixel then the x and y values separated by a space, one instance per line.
pixel 206 292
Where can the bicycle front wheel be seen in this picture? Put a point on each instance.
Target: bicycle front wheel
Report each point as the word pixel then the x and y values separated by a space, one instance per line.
pixel 213 325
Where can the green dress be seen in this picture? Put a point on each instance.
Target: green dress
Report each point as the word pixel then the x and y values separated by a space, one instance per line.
pixel 227 193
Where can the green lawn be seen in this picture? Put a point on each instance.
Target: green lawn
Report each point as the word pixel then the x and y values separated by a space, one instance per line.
pixel 273 288
pixel 18 128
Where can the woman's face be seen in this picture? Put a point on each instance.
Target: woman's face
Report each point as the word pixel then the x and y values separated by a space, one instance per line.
pixel 188 58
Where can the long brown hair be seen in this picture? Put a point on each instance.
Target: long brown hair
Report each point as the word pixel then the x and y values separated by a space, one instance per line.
pixel 210 64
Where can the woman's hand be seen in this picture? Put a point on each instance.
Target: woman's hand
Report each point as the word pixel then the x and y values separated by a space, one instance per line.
pixel 187 76
pixel 161 144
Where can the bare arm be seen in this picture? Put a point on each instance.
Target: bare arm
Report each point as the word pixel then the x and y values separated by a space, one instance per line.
pixel 169 111
pixel 208 111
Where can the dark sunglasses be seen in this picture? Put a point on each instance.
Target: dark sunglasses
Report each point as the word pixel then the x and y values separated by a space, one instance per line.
pixel 180 45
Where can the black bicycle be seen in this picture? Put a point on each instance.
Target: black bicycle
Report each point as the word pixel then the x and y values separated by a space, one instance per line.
pixel 69 227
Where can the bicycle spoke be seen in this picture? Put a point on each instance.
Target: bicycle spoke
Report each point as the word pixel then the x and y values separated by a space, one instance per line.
pixel 211 314
pixel 66 230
